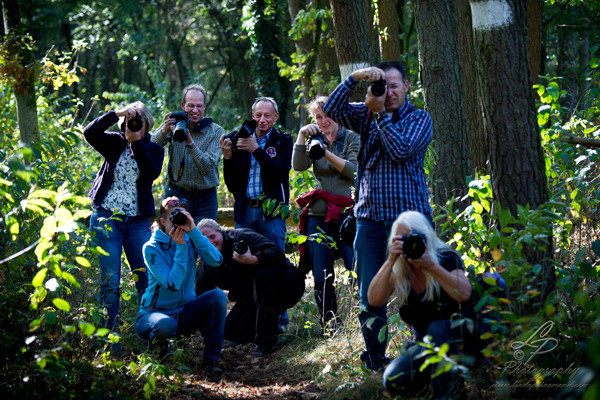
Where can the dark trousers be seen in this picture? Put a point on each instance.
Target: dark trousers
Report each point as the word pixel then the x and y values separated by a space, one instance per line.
pixel 255 318
pixel 403 375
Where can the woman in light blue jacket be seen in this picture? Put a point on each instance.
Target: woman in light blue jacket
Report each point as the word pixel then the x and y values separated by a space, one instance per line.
pixel 170 307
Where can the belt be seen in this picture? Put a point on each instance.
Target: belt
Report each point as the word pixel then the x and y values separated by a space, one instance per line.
pixel 195 192
pixel 254 203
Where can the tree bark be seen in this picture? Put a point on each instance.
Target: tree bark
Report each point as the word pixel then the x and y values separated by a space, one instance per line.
pixel 477 140
pixel 352 38
pixel 24 75
pixel 388 22
pixel 504 82
pixel 535 10
pixel 440 75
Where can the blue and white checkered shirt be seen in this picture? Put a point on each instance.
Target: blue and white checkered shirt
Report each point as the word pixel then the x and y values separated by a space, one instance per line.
pixel 391 157
pixel 254 182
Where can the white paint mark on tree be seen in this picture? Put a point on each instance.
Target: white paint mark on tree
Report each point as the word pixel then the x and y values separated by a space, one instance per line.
pixel 491 14
pixel 347 69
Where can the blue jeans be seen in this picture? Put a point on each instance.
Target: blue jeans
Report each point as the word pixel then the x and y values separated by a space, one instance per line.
pixel 199 206
pixel 403 375
pixel 271 228
pixel 206 313
pixel 370 247
pixel 323 257
pixel 113 235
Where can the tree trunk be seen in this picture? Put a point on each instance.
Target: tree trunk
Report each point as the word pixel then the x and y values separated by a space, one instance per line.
pixel 504 82
pixel 23 75
pixel 477 140
pixel 352 38
pixel 327 62
pixel 567 64
pixel 535 10
pixel 440 75
pixel 388 22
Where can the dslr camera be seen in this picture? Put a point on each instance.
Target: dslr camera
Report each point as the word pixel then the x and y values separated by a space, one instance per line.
pixel 180 131
pixel 240 247
pixel 178 218
pixel 316 146
pixel 414 245
pixel 246 130
pixel 135 123
pixel 378 88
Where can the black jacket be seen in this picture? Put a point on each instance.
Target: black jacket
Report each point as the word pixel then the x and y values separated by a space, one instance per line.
pixel 236 277
pixel 275 162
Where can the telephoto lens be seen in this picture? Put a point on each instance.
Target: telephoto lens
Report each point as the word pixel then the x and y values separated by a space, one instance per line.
pixel 316 148
pixel 378 87
pixel 240 247
pixel 178 217
pixel 414 245
pixel 180 131
pixel 135 123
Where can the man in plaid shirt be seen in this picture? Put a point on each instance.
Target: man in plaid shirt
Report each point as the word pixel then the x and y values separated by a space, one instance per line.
pixel 394 139
pixel 193 169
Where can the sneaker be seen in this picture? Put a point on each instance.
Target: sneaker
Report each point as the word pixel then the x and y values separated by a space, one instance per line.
pixel 211 365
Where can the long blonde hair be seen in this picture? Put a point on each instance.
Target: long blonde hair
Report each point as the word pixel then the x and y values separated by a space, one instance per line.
pixel 415 221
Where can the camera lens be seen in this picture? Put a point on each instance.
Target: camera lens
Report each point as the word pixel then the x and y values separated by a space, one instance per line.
pixel 178 217
pixel 378 87
pixel 240 247
pixel 134 124
pixel 316 150
pixel 414 245
pixel 180 131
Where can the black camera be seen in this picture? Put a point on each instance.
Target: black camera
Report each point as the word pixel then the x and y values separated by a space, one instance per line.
pixel 378 88
pixel 180 131
pixel 316 146
pixel 135 123
pixel 414 245
pixel 246 130
pixel 240 247
pixel 178 217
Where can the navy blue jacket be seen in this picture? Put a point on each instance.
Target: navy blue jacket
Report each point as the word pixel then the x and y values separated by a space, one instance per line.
pixel 149 157
pixel 275 162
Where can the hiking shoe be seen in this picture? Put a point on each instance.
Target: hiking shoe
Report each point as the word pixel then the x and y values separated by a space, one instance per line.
pixel 211 365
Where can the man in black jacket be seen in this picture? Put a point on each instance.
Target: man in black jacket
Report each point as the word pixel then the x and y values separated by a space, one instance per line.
pixel 261 281
pixel 257 173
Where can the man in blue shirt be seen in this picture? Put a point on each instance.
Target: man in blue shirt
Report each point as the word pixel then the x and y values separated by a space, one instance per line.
pixel 394 140
pixel 257 173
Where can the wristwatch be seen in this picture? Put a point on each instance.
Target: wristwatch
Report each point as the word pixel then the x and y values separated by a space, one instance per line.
pixel 189 146
pixel 378 115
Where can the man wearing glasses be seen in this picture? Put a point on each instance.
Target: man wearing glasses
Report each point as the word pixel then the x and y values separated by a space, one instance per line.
pixel 193 170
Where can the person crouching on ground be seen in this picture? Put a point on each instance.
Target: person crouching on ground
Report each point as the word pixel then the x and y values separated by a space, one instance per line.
pixel 261 281
pixel 432 290
pixel 170 307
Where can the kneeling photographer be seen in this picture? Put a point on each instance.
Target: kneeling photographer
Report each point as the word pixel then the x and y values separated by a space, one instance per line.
pixel 261 281
pixel 433 294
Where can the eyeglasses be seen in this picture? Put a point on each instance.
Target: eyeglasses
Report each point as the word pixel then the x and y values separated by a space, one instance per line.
pixel 176 203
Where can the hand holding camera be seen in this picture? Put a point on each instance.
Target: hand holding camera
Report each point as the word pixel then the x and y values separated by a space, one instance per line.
pixel 245 132
pixel 242 253
pixel 180 131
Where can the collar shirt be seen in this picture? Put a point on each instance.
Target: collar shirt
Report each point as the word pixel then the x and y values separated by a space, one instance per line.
pixel 254 182
pixel 199 164
pixel 391 158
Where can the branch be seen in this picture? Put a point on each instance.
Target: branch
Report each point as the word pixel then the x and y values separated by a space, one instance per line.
pixel 582 141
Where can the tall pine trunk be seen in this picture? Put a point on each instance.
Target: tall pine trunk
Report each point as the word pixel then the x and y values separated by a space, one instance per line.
pixel 504 82
pixel 440 74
